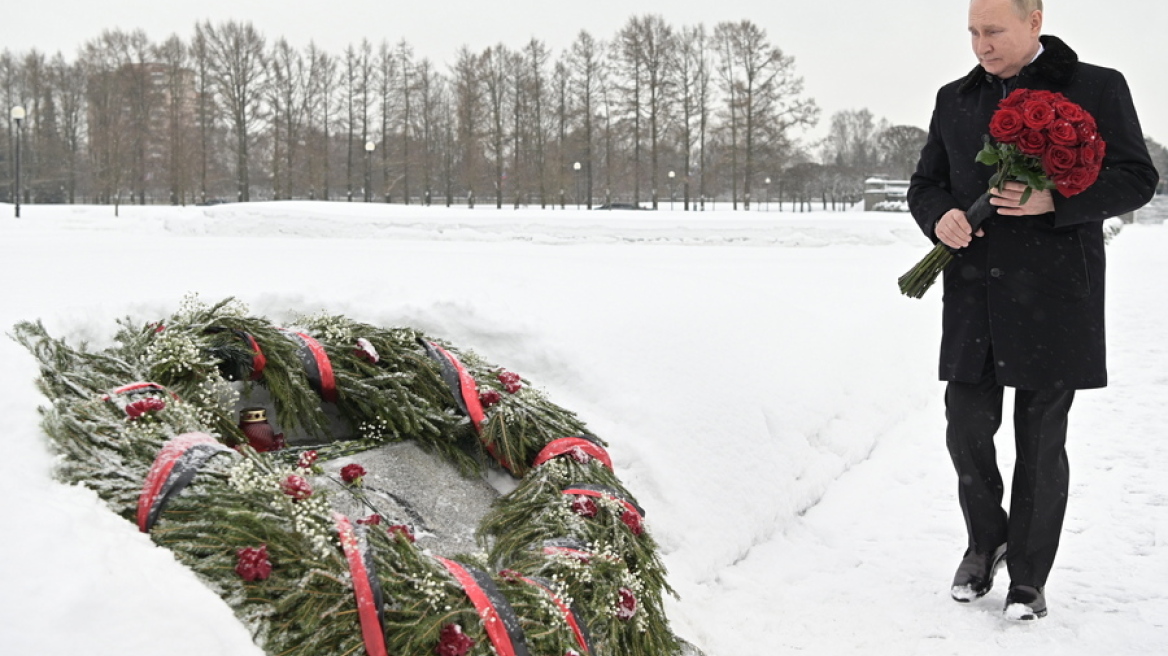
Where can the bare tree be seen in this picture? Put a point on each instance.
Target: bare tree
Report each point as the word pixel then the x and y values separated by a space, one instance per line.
pixel 321 82
pixel 69 87
pixel 466 95
pixel 238 68
pixel 629 62
pixel 763 95
pixel 386 80
pixel 431 94
pixel 536 57
pixel 587 65
pixel 405 56
pixel 692 72
pixel 495 64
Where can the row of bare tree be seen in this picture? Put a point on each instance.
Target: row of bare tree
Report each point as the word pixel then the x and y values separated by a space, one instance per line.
pixel 655 112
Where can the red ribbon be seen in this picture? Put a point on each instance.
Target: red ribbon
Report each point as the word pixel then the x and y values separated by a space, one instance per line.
pixel 577 630
pixel 324 368
pixel 160 471
pixel 468 393
pixel 601 495
pixel 367 611
pixel 258 359
pixel 496 627
pixel 468 389
pixel 565 444
pixel 139 387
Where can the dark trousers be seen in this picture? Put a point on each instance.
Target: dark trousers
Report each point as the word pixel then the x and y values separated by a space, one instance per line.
pixel 1038 497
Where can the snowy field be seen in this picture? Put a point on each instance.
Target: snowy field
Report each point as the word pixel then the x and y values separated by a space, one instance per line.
pixel 768 395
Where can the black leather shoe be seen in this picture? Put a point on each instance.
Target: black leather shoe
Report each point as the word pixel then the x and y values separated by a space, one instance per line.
pixel 1025 603
pixel 975 574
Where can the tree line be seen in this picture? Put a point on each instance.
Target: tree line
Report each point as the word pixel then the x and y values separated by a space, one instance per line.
pixel 655 113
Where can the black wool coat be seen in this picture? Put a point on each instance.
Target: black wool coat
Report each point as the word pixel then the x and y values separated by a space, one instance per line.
pixel 1031 290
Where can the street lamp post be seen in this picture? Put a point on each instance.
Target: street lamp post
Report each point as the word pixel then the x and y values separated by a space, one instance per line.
pixel 576 168
pixel 768 194
pixel 671 175
pixel 18 116
pixel 369 146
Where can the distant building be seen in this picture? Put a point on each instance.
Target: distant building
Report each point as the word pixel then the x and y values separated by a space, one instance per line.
pixel 882 195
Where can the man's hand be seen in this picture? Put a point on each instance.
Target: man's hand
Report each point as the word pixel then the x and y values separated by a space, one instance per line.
pixel 1008 200
pixel 953 229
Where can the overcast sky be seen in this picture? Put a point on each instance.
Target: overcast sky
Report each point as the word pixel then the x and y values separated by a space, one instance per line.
pixel 888 56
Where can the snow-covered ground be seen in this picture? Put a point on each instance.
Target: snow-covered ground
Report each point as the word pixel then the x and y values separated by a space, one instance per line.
pixel 768 395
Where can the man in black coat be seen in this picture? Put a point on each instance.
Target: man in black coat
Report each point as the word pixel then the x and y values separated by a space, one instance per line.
pixel 1023 299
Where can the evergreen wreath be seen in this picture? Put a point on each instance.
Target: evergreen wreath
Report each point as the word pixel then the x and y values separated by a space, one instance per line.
pixel 567 566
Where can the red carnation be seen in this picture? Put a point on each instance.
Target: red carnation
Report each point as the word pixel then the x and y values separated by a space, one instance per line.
pixel 353 474
pixel 1032 142
pixel 489 398
pixel 371 520
pixel 452 641
pixel 307 459
pixel 1063 133
pixel 402 530
pixel 1058 160
pixel 626 607
pixel 510 575
pixel 580 455
pixel 511 381
pixel 296 487
pixel 136 409
pixel 1076 181
pixel 1006 125
pixel 1037 114
pixel 252 564
pixel 633 521
pixel 584 507
pixel 365 351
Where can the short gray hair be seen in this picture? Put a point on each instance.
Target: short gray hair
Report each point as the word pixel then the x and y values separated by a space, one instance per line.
pixel 1027 7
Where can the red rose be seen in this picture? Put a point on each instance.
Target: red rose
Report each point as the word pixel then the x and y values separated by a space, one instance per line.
pixel 1058 160
pixel 1063 133
pixel 1069 111
pixel 353 474
pixel 1006 125
pixel 626 606
pixel 372 520
pixel 401 530
pixel 452 641
pixel 1091 154
pixel 1076 181
pixel 633 521
pixel 1087 128
pixel 252 564
pixel 1015 99
pixel 584 507
pixel 1037 114
pixel 296 487
pixel 1032 142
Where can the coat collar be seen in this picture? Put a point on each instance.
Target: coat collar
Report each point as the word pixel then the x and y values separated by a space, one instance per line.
pixel 1056 64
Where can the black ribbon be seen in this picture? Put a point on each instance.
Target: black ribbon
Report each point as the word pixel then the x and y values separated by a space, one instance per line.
pixel 185 468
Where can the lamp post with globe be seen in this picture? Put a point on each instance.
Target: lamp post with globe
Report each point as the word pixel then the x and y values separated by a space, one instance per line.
pixel 18 117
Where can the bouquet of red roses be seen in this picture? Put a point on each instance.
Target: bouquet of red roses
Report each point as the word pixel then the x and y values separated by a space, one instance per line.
pixel 1041 139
